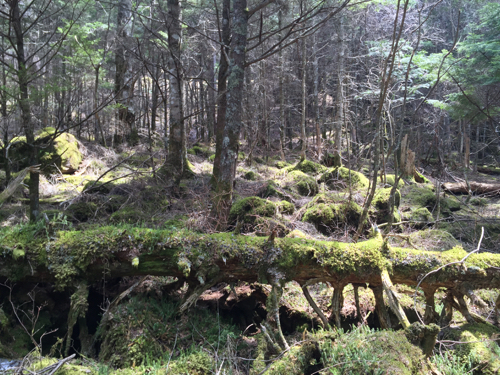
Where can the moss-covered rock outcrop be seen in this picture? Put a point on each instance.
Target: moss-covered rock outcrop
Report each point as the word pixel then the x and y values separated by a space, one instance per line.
pixel 247 210
pixel 339 178
pixel 59 153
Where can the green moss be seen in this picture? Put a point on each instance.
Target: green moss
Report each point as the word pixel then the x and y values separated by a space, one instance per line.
pixel 478 201
pixel 325 216
pixel 295 362
pixel 200 150
pixel 420 196
pixel 422 215
pixel 281 164
pixel 298 234
pixel 82 211
pixel 364 351
pixel 61 155
pixel 481 347
pixel 272 190
pixel 211 158
pixel 308 167
pixel 338 178
pixel 146 328
pixel 302 183
pixel 127 215
pixel 196 363
pixel 381 205
pixel 250 176
pixel 286 207
pixel 434 240
pixel 391 179
pixel 321 215
pixel 248 209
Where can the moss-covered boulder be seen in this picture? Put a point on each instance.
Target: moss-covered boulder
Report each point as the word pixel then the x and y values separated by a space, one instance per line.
pixel 250 176
pixel 301 183
pixel 247 210
pixel 308 167
pixel 391 180
pixel 200 150
pixel 481 346
pixel 280 164
pixel 338 179
pixel 286 207
pixel 424 196
pixel 59 154
pixel 326 216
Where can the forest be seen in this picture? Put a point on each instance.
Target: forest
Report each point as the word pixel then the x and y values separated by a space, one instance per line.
pixel 249 187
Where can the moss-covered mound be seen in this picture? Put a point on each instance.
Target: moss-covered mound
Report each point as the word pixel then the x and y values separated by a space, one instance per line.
pixel 391 180
pixel 308 167
pixel 361 351
pixel 59 154
pixel 365 351
pixel 301 183
pixel 381 207
pixel 424 196
pixel 420 217
pixel 247 210
pixel 200 150
pixel 433 240
pixel 481 348
pixel 339 178
pixel 144 328
pixel 286 207
pixel 326 216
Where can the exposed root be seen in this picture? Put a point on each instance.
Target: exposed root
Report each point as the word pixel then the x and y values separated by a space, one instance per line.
pixel 337 303
pixel 315 307
pixel 393 299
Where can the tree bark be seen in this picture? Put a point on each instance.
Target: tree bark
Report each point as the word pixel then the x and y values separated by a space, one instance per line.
pixel 471 187
pixel 221 93
pixel 176 165
pixel 230 133
pixel 24 105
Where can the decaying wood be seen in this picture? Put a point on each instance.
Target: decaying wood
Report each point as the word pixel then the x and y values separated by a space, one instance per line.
pixel 14 184
pixel 315 307
pixel 337 302
pixel 475 188
pixel 202 260
pixel 393 299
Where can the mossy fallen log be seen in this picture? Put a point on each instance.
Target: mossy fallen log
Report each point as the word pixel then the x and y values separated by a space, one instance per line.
pixel 67 257
pixel 471 187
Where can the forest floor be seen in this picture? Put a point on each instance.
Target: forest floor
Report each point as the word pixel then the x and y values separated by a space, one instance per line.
pixel 220 335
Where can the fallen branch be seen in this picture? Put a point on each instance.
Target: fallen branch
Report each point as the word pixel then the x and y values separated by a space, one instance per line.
pixel 471 187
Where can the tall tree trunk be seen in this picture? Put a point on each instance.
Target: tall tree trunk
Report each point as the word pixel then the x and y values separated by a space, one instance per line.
pixel 123 77
pixel 339 118
pixel 24 105
pixel 221 94
pixel 176 165
pixel 303 136
pixel 236 79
